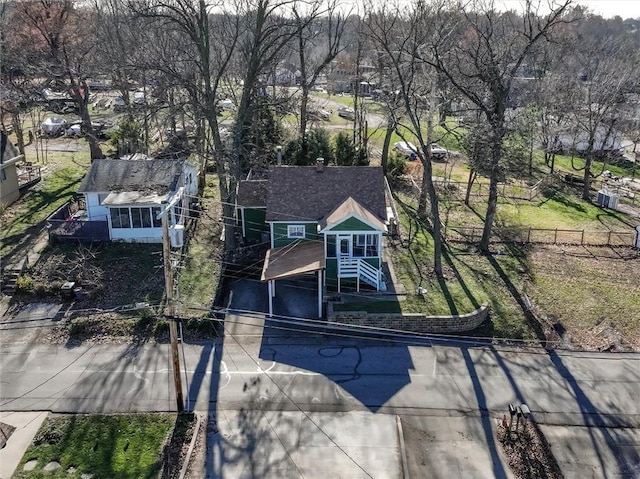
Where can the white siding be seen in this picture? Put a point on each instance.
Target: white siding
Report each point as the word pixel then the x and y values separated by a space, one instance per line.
pixel 95 211
pixel 138 235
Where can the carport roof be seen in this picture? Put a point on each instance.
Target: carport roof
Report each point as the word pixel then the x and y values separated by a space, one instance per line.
pixel 293 260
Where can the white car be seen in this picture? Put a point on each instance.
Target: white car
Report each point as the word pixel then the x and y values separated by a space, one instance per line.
pixel 346 112
pixel 226 104
pixel 438 153
pixel 407 148
pixel 53 126
pixel 119 104
pixel 74 130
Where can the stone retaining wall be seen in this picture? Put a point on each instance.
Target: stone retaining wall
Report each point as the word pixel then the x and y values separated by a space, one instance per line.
pixel 414 323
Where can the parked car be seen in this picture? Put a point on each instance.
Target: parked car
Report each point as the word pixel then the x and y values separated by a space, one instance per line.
pixel 119 104
pixel 74 131
pixel 226 104
pixel 53 126
pixel 407 148
pixel 319 115
pixel 438 153
pixel 346 112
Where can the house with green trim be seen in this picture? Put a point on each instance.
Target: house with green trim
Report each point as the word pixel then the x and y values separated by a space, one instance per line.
pixel 324 220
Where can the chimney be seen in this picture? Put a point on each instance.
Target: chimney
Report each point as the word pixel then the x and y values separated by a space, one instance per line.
pixel 319 165
pixel 278 155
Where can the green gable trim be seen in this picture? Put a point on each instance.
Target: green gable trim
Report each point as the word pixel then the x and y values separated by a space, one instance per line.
pixel 280 232
pixel 351 224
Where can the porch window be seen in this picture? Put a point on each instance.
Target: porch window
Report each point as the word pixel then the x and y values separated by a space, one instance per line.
pixel 366 246
pixel 135 217
pixel 120 218
pixel 141 217
pixel 295 231
pixel 331 246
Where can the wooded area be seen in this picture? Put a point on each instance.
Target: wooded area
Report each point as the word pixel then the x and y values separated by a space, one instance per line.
pixel 553 79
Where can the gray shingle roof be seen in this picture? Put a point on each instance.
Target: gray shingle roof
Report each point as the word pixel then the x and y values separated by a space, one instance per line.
pixel 252 193
pixel 303 193
pixel 155 175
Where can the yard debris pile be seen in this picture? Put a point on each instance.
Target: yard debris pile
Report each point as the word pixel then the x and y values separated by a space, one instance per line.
pixel 528 453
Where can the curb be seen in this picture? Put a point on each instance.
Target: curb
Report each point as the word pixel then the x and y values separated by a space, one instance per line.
pixel 187 459
pixel 403 450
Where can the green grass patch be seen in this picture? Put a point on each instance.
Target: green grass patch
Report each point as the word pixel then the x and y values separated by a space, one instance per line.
pixel 198 280
pixel 122 446
pixel 55 189
pixel 469 280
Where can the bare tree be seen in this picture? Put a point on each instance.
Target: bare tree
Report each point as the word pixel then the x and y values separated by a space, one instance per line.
pixel 480 50
pixel 405 38
pixel 268 27
pixel 602 67
pixel 205 43
pixel 319 36
pixel 57 36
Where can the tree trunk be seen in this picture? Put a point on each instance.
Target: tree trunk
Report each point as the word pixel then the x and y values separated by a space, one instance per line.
pixel 586 187
pixel 385 146
pixel 492 205
pixel 492 202
pixel 472 178
pixel 17 129
pixel 80 95
pixel 429 189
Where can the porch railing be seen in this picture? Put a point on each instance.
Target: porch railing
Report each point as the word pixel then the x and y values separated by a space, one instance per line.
pixel 349 267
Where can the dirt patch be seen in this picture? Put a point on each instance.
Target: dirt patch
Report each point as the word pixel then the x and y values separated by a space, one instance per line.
pixel 529 454
pixel 5 433
pixel 177 448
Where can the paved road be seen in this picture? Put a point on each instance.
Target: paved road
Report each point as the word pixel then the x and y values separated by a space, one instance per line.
pixel 343 389
pixel 325 374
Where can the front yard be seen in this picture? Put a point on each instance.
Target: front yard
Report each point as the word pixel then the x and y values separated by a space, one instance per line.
pixel 106 447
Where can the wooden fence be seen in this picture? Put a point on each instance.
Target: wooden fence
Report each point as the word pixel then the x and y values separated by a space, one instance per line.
pixel 473 234
pixel 506 190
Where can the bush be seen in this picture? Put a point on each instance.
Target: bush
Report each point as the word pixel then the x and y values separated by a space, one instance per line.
pixel 345 150
pixel 26 284
pixel 77 326
pixel 396 164
pixel 318 146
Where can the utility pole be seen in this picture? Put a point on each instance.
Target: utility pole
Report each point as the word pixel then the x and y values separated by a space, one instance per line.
pixel 171 309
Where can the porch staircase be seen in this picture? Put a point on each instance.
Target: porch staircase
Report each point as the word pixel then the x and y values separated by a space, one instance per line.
pixel 358 268
pixel 10 275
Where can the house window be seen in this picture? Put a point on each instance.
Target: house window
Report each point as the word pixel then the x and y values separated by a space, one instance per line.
pixel 366 245
pixel 331 246
pixel 3 175
pixel 120 218
pixel 295 231
pixel 135 218
pixel 141 217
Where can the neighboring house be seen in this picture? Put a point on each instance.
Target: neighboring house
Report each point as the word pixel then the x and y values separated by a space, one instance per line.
pixel 9 183
pixel 321 220
pixel 128 194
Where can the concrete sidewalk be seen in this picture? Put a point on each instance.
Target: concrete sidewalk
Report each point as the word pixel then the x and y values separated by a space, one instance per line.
pixel 26 424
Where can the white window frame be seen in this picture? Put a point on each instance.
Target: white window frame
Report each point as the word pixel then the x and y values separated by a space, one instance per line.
pixel 296 231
